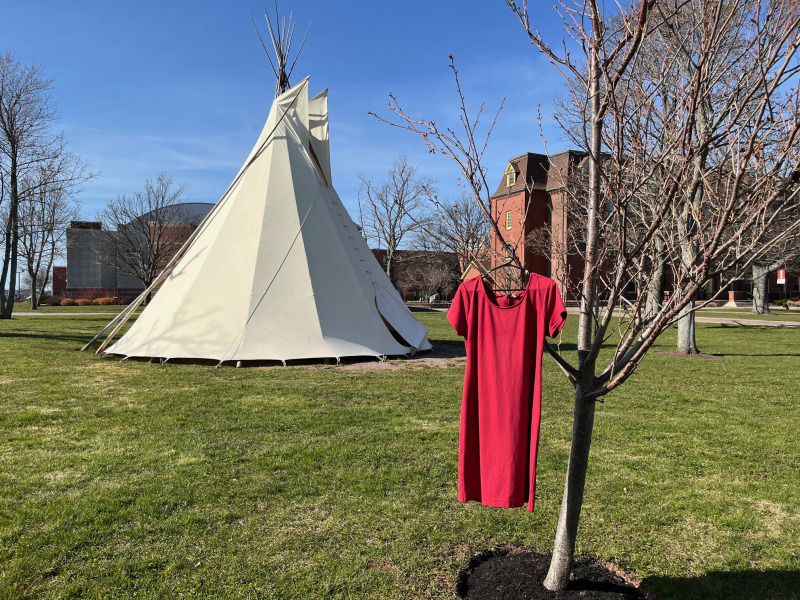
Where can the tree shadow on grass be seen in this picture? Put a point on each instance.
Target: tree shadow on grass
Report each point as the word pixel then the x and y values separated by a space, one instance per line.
pixel 749 326
pixel 730 585
pixel 56 336
pixel 762 354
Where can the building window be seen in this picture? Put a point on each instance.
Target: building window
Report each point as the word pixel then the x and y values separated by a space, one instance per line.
pixel 511 175
pixel 508 219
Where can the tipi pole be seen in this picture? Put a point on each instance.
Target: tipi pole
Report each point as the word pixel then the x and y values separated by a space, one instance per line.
pixel 123 316
pixel 107 327
pixel 127 315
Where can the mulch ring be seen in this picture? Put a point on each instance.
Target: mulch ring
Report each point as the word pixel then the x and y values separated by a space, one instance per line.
pixel 518 574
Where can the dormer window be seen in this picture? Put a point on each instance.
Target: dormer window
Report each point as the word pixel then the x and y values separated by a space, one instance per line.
pixel 511 175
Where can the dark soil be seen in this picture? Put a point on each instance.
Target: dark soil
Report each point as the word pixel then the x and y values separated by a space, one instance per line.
pixel 519 575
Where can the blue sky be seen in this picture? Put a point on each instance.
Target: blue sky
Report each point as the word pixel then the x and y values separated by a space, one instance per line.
pixel 184 87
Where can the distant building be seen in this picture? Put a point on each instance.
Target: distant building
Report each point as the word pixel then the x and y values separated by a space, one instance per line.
pixel 59 281
pixel 532 195
pixel 89 275
pixel 476 268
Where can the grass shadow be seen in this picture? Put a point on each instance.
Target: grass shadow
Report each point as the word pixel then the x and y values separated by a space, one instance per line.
pixel 776 354
pixel 731 585
pixel 81 339
pixel 423 309
pixel 438 343
pixel 735 325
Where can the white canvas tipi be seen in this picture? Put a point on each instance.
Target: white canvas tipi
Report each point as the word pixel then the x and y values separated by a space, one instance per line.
pixel 277 270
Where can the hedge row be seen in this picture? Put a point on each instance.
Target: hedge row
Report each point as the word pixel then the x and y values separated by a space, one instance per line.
pixel 61 301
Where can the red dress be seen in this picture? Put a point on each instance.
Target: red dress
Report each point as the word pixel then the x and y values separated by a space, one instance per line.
pixel 501 405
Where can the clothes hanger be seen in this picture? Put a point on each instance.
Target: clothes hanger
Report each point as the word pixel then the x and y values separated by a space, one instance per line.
pixel 524 273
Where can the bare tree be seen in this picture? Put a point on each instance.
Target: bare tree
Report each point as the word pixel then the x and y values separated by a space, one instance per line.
pixel 466 150
pixel 429 271
pixel 641 195
pixel 793 268
pixel 45 211
pixel 709 193
pixel 782 254
pixel 27 143
pixel 459 227
pixel 36 288
pixel 393 208
pixel 142 231
pixel 434 265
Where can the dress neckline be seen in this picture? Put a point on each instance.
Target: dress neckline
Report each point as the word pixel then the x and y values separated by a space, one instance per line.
pixel 491 296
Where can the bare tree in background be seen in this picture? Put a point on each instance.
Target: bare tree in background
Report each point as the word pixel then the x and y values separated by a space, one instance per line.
pixel 793 268
pixel 437 254
pixel 640 197
pixel 459 227
pixel 28 144
pixel 782 254
pixel 466 149
pixel 36 288
pixel 45 211
pixel 430 272
pixel 392 209
pixel 142 231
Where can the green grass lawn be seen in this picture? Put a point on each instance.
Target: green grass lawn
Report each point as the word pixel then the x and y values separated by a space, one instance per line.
pixel 129 479
pixel 776 314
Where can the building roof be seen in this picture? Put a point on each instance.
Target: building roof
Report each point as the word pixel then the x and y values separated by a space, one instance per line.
pixel 533 171
pixel 186 212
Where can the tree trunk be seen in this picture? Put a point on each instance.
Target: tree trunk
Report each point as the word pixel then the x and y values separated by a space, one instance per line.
pixel 760 286
pixel 583 420
pixel 655 289
pixel 572 502
pixel 34 286
pixel 43 284
pixel 390 264
pixel 760 282
pixel 13 219
pixel 5 274
pixel 687 341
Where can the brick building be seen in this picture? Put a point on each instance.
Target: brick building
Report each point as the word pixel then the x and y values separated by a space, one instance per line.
pixel 533 194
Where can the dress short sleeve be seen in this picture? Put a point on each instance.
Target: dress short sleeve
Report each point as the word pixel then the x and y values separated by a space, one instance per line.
pixel 556 313
pixel 457 315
